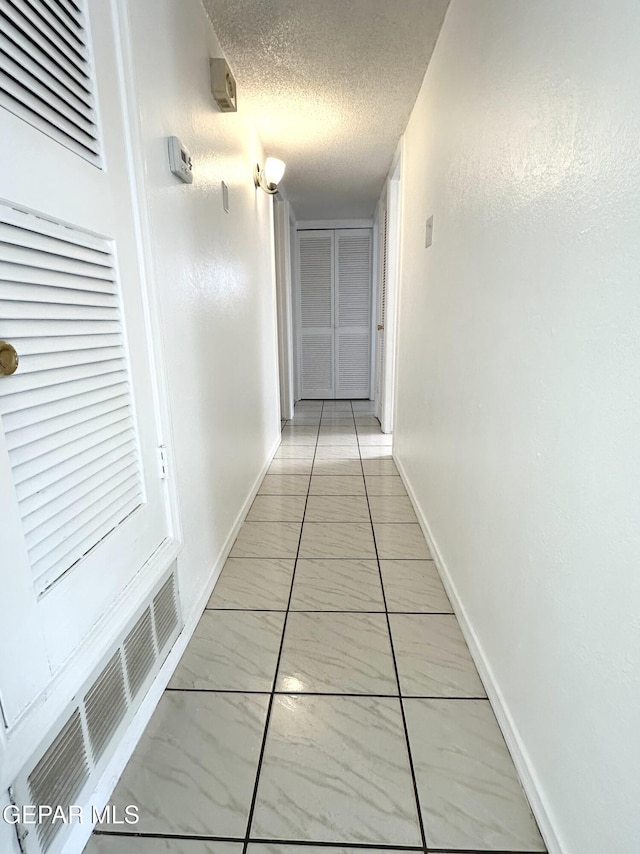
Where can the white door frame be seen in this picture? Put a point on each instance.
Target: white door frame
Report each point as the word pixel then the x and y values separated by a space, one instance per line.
pixel 282 239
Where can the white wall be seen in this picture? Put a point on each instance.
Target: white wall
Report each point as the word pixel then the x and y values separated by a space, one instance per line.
pixel 214 274
pixel 518 405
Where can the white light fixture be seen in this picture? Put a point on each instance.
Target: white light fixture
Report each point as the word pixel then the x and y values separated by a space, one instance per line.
pixel 269 177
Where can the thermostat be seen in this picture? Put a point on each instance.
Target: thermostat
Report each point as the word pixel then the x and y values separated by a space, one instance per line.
pixel 180 160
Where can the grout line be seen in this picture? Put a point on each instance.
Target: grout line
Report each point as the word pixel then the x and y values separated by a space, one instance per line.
pixel 395 667
pixel 336 610
pixel 275 676
pixel 320 694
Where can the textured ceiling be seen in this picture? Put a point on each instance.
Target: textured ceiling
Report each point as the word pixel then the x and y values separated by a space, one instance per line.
pixel 330 85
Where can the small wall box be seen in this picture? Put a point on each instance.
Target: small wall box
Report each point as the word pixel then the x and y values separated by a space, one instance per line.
pixel 223 85
pixel 180 160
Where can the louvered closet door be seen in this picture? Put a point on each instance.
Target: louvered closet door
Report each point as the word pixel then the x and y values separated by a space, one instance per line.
pixel 81 499
pixel 353 312
pixel 316 350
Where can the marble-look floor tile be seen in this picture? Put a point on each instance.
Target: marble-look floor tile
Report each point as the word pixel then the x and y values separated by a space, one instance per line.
pixel 268 539
pixel 277 508
pixel 432 657
pixel 157 845
pixel 336 769
pixel 337 452
pixel 337 508
pixel 469 790
pixel 385 485
pixel 376 452
pixel 413 585
pixel 400 541
pixel 373 438
pixel 338 439
pixel 284 484
pixel 277 848
pixel 379 467
pixel 337 467
pixel 295 452
pixel 338 653
pixel 231 651
pixel 392 508
pixel 253 583
pixel 341 485
pixel 337 539
pixel 283 465
pixel 310 437
pixel 337 585
pixel 194 769
pixel 363 405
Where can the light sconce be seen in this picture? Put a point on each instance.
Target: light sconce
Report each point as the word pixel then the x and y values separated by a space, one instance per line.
pixel 268 178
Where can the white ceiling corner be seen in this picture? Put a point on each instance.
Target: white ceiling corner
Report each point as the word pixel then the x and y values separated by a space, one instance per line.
pixel 330 85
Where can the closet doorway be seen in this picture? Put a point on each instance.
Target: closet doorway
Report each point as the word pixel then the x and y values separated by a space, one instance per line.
pixel 333 313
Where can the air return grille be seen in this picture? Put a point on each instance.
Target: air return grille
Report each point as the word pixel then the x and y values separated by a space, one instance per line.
pixel 72 762
pixel 67 412
pixel 45 72
pixel 60 775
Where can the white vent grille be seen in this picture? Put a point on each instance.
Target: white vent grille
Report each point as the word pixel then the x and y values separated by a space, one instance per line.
pixel 72 762
pixel 105 705
pixel 67 412
pixel 165 612
pixel 45 73
pixel 317 364
pixel 60 774
pixel 354 279
pixel 353 364
pixel 139 652
pixel 316 280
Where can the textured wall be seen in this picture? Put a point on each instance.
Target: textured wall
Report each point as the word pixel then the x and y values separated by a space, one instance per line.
pixel 214 278
pixel 518 410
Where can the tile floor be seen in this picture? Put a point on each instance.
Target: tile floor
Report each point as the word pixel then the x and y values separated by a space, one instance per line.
pixel 327 698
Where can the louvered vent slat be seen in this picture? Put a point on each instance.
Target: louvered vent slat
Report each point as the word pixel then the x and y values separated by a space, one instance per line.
pixel 45 72
pixel 316 280
pixel 105 705
pixel 165 611
pixel 139 652
pixel 354 280
pixel 60 774
pixel 353 364
pixel 67 411
pixel 317 362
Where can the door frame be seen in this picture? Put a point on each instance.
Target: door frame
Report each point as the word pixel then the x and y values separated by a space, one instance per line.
pixel 284 309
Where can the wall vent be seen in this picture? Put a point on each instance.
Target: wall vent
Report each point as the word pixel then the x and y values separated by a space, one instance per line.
pixel 68 764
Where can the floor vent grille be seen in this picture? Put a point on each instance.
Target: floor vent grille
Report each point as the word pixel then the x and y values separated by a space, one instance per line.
pixel 68 764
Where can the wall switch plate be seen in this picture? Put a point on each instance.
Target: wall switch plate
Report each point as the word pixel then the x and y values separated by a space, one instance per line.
pixel 428 234
pixel 225 197
pixel 180 160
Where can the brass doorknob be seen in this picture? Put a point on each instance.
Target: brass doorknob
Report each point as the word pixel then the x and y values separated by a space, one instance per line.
pixel 380 327
pixel 8 359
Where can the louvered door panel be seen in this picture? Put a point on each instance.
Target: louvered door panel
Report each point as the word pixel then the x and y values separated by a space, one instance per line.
pixel 316 313
pixel 67 413
pixel 45 71
pixel 353 300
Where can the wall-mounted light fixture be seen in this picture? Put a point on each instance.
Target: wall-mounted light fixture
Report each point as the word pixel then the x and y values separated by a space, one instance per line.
pixel 269 177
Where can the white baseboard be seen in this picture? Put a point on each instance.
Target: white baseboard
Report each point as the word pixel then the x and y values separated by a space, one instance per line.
pixel 80 834
pixel 515 744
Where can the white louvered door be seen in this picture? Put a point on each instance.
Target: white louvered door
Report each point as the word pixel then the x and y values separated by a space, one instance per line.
pixel 334 313
pixel 316 289
pixel 81 498
pixel 353 312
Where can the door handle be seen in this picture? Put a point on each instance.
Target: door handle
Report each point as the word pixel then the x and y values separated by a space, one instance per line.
pixel 380 327
pixel 9 359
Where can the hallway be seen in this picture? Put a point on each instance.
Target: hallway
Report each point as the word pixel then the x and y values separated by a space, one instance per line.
pixel 327 695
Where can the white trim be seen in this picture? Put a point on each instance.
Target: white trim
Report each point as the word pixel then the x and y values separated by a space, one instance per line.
pixel 80 834
pixel 282 241
pixel 517 749
pixel 305 225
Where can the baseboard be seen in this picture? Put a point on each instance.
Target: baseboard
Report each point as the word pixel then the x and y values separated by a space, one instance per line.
pixel 81 833
pixel 515 744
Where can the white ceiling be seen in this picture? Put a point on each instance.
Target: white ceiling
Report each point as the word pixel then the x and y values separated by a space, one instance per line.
pixel 330 85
